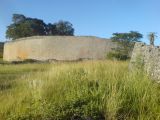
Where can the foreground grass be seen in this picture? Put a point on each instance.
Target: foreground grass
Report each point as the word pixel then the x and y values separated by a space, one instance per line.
pixel 95 90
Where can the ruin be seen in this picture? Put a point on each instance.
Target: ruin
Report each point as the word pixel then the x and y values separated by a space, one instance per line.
pixel 148 57
pixel 66 48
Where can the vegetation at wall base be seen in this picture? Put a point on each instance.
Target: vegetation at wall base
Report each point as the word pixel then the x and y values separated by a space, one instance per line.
pixel 115 55
pixel 1 55
pixel 1 50
pixel 90 90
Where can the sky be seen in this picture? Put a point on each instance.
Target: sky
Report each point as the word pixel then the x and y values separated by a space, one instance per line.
pixel 99 18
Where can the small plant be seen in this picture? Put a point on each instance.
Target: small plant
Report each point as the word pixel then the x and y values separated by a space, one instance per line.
pixel 152 36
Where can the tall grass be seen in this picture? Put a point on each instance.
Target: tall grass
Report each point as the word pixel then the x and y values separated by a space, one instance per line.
pixel 92 90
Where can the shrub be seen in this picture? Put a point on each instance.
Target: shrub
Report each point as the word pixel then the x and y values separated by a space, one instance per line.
pixel 117 56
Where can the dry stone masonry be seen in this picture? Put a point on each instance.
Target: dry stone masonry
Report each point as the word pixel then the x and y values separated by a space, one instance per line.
pixel 147 56
pixel 65 48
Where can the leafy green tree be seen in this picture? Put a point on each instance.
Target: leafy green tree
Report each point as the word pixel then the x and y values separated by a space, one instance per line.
pixel 17 18
pixel 25 27
pixel 152 36
pixel 38 26
pixel 125 43
pixel 51 29
pixel 16 31
pixel 64 28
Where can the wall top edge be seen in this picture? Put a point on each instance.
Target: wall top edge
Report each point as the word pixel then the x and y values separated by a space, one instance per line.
pixel 41 37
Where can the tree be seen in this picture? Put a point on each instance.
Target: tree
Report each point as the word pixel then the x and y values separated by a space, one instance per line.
pixel 152 36
pixel 51 29
pixel 17 18
pixel 16 31
pixel 125 42
pixel 64 28
pixel 25 27
pixel 38 26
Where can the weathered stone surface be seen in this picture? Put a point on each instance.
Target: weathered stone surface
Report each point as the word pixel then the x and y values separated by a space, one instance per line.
pixel 57 48
pixel 149 57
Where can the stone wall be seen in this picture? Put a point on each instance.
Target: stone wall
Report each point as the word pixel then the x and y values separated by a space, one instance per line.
pixel 148 57
pixel 57 48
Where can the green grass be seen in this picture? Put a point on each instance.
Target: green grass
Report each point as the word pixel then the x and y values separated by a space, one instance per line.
pixel 91 90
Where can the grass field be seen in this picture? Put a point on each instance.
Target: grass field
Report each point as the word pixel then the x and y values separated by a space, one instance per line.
pixel 91 90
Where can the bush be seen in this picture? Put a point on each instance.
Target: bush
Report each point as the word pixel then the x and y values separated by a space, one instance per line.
pixel 1 55
pixel 117 56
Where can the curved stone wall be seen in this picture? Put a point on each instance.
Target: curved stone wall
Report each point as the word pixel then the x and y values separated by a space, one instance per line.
pixel 57 48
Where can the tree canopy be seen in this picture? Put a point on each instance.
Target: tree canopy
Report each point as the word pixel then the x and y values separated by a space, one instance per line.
pixel 126 42
pixel 62 28
pixel 25 27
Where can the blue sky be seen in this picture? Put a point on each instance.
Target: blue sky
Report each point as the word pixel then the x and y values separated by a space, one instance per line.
pixel 90 17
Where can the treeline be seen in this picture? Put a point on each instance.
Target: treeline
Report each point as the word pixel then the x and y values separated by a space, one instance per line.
pixel 23 26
